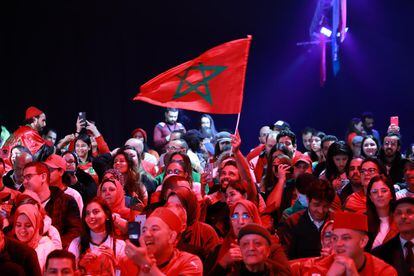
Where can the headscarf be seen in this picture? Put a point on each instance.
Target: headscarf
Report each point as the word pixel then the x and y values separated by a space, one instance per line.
pixel 189 201
pixel 36 219
pixel 231 236
pixel 119 203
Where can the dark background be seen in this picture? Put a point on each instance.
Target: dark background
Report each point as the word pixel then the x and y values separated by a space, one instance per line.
pixel 70 56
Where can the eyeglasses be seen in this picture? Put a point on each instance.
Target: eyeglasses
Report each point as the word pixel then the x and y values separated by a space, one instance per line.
pixel 237 216
pixel 29 176
pixel 175 171
pixel 172 148
pixel 376 191
pixel 368 171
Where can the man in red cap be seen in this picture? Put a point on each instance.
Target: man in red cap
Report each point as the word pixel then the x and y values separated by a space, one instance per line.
pixel 57 167
pixel 349 240
pixel 157 254
pixel 28 136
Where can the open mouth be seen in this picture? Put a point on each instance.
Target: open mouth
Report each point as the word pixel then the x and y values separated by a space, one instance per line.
pixel 340 251
pixel 149 243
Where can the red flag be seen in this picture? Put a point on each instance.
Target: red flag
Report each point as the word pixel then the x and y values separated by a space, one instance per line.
pixel 211 83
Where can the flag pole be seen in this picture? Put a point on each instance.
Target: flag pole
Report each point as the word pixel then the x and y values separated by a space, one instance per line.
pixel 237 124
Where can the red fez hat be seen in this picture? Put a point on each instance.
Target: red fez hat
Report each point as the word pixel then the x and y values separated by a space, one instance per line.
pixel 348 220
pixel 169 217
pixel 33 112
pixel 143 132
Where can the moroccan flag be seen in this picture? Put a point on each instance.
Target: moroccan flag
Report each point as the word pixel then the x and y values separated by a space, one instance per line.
pixel 211 83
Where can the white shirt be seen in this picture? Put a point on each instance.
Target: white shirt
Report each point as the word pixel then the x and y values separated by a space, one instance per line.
pixel 383 231
pixel 78 198
pixel 43 249
pixel 74 248
pixel 318 224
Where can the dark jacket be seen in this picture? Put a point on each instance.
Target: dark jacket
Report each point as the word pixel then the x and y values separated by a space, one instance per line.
pixel 86 186
pixel 396 172
pixel 239 268
pixel 18 258
pixel 277 259
pixel 64 212
pixel 392 253
pixel 299 236
pixel 9 182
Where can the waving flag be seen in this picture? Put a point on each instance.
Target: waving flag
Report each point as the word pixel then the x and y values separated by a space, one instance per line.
pixel 210 83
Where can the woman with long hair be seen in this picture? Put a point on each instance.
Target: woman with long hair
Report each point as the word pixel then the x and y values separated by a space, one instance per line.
pixel 96 249
pixel 83 150
pixel 316 149
pixel 369 147
pixel 355 128
pixel 133 187
pixel 380 197
pixel 337 165
pixel 277 184
pixel 87 142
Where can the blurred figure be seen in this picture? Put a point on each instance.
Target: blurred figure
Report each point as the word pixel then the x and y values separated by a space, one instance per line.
pixel 163 130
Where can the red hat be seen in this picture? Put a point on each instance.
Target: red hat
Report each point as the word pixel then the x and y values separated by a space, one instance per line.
pixel 348 220
pixel 32 112
pixel 56 162
pixel 143 132
pixel 301 157
pixel 169 217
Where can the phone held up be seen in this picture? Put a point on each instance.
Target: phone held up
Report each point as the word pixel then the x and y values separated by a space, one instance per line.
pixel 82 118
pixel 394 120
pixel 134 232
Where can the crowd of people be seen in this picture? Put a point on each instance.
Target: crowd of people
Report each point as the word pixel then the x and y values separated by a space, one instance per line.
pixel 194 204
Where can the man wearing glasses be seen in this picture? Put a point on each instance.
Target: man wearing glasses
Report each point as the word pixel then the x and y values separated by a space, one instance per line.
pixel 60 207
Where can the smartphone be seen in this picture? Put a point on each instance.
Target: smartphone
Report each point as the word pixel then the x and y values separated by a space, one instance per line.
pixel 209 167
pixel 82 118
pixel 134 232
pixel 394 120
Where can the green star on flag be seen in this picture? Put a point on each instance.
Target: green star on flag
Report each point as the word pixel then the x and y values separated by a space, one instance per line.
pixel 199 86
pixel 210 83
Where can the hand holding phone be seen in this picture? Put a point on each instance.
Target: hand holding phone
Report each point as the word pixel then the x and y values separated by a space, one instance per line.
pixel 134 232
